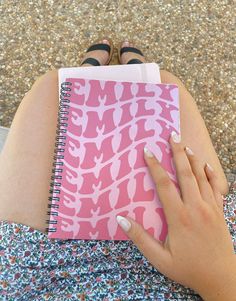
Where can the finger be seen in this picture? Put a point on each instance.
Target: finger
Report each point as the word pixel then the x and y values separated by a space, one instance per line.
pixel 200 175
pixel 212 178
pixel 151 248
pixel 187 182
pixel 166 190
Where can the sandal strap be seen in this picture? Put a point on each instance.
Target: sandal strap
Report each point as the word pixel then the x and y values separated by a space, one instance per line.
pixel 91 61
pixel 130 49
pixel 99 47
pixel 135 61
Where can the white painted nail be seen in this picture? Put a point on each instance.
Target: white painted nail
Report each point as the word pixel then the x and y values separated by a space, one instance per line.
pixel 175 137
pixel 123 222
pixel 148 153
pixel 189 151
pixel 210 167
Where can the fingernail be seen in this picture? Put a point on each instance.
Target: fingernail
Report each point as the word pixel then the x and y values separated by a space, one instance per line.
pixel 175 137
pixel 189 151
pixel 209 166
pixel 123 222
pixel 148 153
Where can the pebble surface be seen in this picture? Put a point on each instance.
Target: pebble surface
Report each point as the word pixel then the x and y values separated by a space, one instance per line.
pixel 194 39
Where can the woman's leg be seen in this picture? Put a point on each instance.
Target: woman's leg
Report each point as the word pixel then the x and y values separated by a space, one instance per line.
pixel 193 130
pixel 27 157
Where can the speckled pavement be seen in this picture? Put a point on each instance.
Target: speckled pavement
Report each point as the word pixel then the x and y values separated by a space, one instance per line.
pixel 194 39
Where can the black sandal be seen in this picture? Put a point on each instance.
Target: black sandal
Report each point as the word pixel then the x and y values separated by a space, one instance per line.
pixel 121 50
pixel 100 46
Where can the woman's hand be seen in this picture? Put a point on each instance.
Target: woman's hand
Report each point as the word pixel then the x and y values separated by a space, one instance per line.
pixel 198 251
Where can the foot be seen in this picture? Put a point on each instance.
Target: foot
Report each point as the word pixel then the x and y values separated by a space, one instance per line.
pixel 101 55
pixel 127 56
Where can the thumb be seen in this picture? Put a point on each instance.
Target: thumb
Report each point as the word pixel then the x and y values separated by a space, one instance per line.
pixel 151 248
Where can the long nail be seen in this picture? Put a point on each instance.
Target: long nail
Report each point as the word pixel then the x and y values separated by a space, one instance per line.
pixel 175 137
pixel 148 153
pixel 189 151
pixel 124 223
pixel 209 167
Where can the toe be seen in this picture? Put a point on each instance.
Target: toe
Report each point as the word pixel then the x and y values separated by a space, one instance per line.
pixel 100 55
pixel 127 56
pixel 125 44
pixel 105 41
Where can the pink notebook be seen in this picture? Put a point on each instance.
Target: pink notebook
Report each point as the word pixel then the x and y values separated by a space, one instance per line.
pixel 99 168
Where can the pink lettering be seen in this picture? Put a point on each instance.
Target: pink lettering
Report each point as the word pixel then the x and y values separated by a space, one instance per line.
pixel 106 123
pixel 93 152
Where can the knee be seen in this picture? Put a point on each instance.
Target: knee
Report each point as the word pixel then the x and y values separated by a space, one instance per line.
pixel 45 88
pixel 50 76
pixel 168 77
pixel 165 73
pixel 46 81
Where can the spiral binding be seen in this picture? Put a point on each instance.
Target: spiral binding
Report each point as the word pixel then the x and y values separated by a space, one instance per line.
pixel 62 120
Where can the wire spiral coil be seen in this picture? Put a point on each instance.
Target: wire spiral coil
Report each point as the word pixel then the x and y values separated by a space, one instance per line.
pixel 60 143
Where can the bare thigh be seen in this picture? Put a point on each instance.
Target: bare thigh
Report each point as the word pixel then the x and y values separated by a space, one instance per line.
pixel 27 157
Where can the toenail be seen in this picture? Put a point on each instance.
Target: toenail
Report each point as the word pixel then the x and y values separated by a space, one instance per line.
pixel 105 41
pixel 126 43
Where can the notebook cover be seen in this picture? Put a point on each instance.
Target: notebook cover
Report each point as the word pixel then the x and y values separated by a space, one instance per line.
pixel 147 73
pixel 100 170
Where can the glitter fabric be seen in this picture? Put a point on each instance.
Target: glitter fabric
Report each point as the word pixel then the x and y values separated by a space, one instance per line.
pixel 33 267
